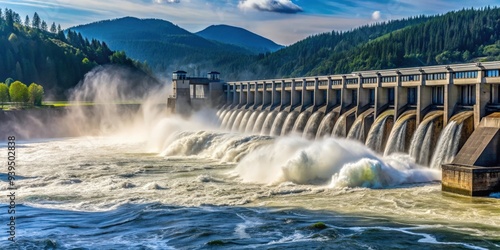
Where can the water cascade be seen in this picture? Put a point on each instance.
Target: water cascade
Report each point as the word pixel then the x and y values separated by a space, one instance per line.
pixel 237 121
pixel 380 130
pixel 449 140
pixel 358 130
pixel 230 122
pixel 327 124
pixel 245 120
pixel 403 128
pixel 251 121
pixel 424 138
pixel 301 122
pixel 268 123
pixel 278 123
pixel 226 117
pixel 260 122
pixel 344 123
pixel 289 122
pixel 312 125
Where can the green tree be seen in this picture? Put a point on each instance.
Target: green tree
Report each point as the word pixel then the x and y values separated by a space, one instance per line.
pixel 27 21
pixel 53 28
pixel 4 93
pixel 18 92
pixel 35 93
pixel 36 21
pixel 44 26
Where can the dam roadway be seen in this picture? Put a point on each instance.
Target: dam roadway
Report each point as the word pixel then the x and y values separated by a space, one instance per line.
pixel 445 116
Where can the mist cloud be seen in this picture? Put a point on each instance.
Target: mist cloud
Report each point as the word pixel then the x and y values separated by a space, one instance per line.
pixel 280 6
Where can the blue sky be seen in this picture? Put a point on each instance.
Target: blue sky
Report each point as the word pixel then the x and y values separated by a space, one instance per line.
pixel 284 21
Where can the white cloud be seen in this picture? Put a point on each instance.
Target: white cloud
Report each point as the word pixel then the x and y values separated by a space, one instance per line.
pixel 166 1
pixel 376 15
pixel 280 6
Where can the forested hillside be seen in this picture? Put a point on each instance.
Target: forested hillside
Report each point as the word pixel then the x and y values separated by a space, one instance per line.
pixel 456 37
pixel 165 46
pixel 33 51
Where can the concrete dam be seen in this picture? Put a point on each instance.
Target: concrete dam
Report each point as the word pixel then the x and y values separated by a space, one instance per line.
pixel 445 117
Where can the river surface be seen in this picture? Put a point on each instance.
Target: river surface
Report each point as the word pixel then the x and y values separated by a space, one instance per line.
pixel 197 190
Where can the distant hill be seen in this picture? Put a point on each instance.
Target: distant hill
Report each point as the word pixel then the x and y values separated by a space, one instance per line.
pixel 239 37
pixel 56 61
pixel 165 46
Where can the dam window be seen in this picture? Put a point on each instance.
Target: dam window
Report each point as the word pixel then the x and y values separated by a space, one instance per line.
pixel 390 96
pixel 298 84
pixel 412 96
pixel 260 86
pixel 410 78
pixel 337 82
pixel 465 74
pixel 309 84
pixel 323 83
pixel 352 81
pixel 467 95
pixel 493 73
pixel 369 80
pixel 389 79
pixel 288 84
pixel 435 76
pixel 438 95
pixel 278 85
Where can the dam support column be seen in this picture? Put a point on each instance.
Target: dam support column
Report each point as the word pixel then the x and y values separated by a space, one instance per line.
pixel 330 96
pixel 286 97
pixel 266 96
pixel 276 98
pixel 483 91
pixel 381 100
pixel 295 98
pixel 450 98
pixel 346 96
pixel 307 99
pixel 424 100
pixel 363 97
pixel 319 95
pixel 400 99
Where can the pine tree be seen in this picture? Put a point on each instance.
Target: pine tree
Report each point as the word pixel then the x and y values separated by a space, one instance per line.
pixel 44 26
pixel 36 21
pixel 27 22
pixel 53 28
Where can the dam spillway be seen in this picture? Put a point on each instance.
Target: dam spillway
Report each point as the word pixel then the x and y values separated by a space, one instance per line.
pixel 426 112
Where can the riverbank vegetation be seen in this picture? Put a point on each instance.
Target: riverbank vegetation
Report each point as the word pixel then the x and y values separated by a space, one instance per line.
pixel 17 94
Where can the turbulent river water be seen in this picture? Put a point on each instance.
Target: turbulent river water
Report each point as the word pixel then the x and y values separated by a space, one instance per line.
pixel 154 181
pixel 201 189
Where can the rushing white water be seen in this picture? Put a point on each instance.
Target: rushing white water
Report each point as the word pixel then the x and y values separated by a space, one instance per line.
pixel 312 125
pixel 268 123
pixel 251 121
pixel 336 162
pixel 376 134
pixel 301 122
pixel 237 121
pixel 225 118
pixel 340 129
pixel 327 124
pixel 356 132
pixel 278 123
pixel 231 120
pixel 396 142
pixel 421 143
pixel 289 123
pixel 260 122
pixel 245 121
pixel 447 146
